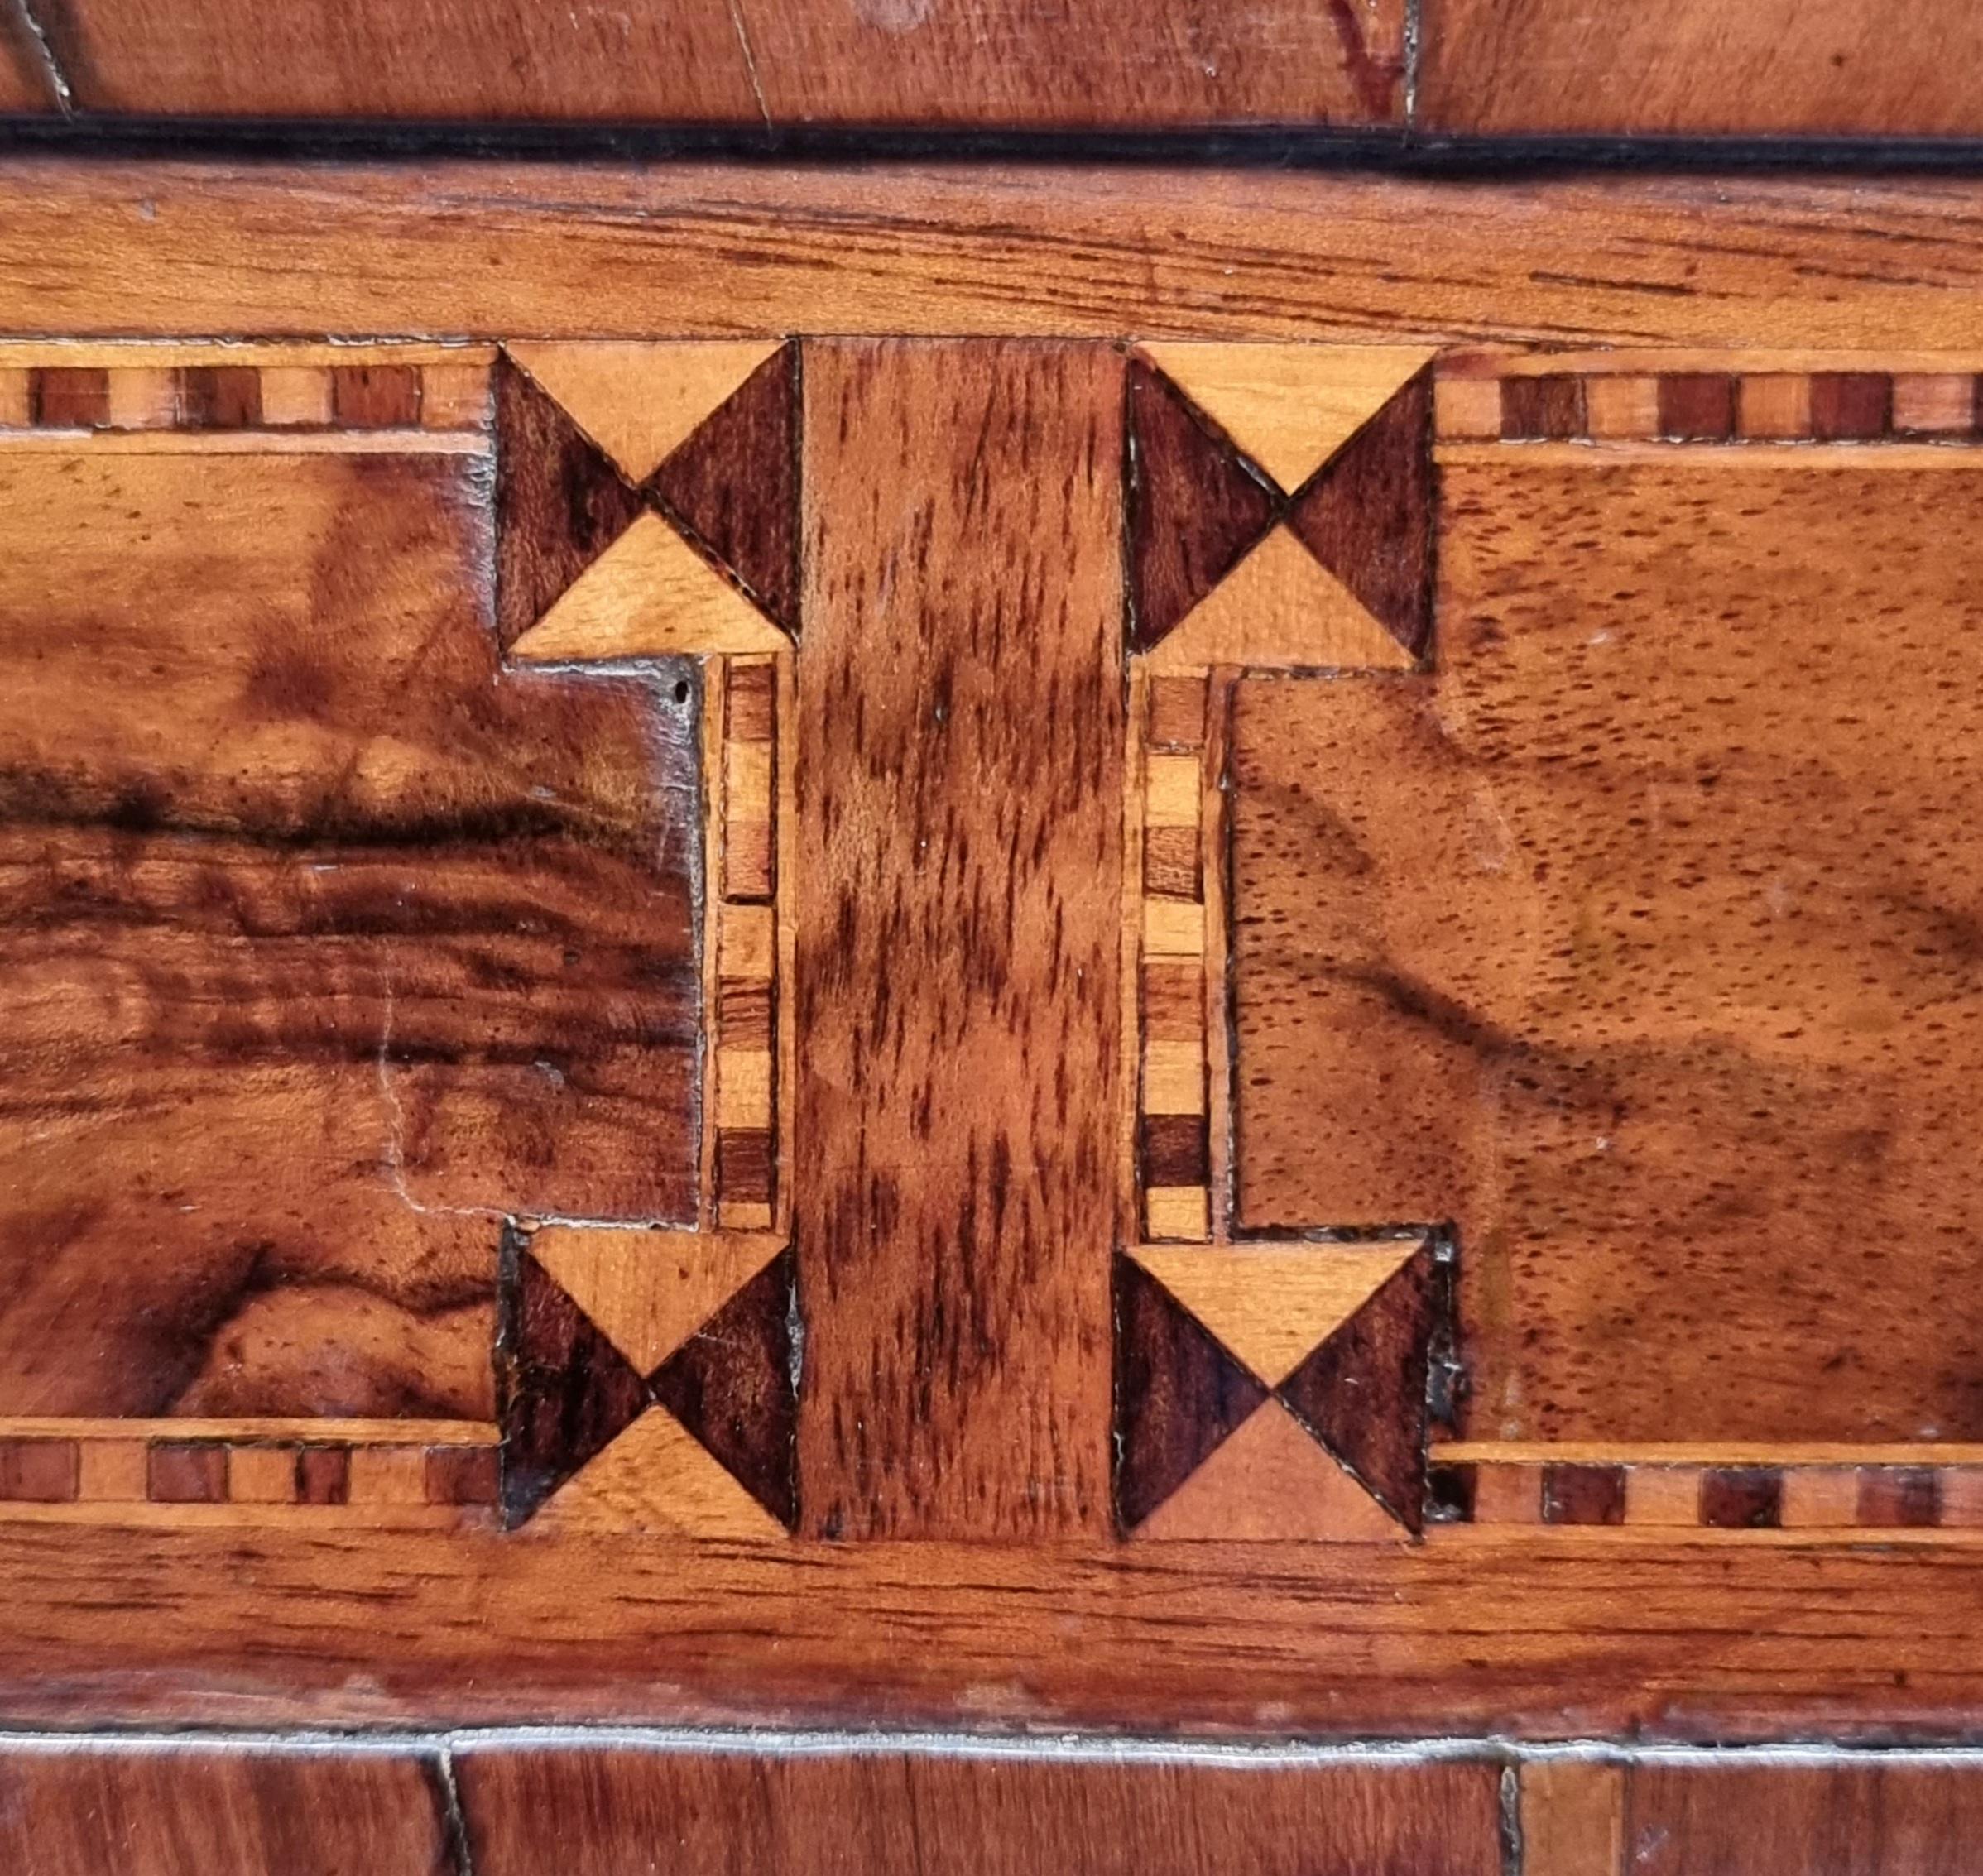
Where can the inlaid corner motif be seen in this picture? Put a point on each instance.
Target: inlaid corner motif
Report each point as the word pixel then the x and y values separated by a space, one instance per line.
pixel 819 939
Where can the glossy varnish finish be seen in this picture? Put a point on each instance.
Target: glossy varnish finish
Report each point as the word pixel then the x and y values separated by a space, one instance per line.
pixel 893 1813
pixel 1634 942
pixel 1043 898
pixel 327 946
pixel 756 65
pixel 1811 68
pixel 959 752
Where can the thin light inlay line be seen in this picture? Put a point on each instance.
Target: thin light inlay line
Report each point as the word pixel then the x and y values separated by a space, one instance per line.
pixel 1711 1453
pixel 287 1431
pixel 245 443
pixel 1738 453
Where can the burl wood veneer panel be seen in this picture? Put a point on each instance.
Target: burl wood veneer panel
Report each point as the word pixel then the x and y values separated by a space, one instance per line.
pixel 939 851
pixel 757 64
pixel 1809 68
pixel 329 945
pixel 1638 940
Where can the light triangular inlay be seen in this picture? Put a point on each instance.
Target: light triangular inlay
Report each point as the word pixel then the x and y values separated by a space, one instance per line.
pixel 649 595
pixel 657 1476
pixel 650 1291
pixel 1280 609
pixel 1289 407
pixel 1270 1481
pixel 639 401
pixel 1272 1304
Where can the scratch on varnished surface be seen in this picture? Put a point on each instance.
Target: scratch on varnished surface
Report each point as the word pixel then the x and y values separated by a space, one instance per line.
pixel 750 60
pixel 395 1156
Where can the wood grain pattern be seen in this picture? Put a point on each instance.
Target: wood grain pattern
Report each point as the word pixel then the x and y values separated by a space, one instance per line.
pixel 1835 68
pixel 325 943
pixel 596 251
pixel 1572 1818
pixel 894 1813
pixel 1657 960
pixel 959 741
pixel 759 63
pixel 1703 1819
pixel 1854 1640
pixel 158 1809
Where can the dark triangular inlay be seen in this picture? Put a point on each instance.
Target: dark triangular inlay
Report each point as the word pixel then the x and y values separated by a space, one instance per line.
pixel 731 1385
pixel 1367 514
pixel 1194 507
pixel 1178 1394
pixel 559 502
pixel 1362 1392
pixel 733 485
pixel 567 1391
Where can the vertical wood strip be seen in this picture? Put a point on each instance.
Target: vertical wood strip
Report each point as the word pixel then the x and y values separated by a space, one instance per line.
pixel 1572 1818
pixel 1134 1015
pixel 785 718
pixel 715 674
pixel 1216 866
pixel 960 739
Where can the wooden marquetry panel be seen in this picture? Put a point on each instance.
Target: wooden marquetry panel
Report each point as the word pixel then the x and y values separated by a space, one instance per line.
pixel 780 1014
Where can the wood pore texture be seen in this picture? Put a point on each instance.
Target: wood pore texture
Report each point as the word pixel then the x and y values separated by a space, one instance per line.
pixel 1654 974
pixel 756 64
pixel 957 1095
pixel 1598 950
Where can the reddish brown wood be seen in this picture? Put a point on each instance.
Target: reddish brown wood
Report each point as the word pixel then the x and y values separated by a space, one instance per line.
pixel 37 1471
pixel 559 500
pixel 1698 406
pixel 64 397
pixel 1741 1498
pixel 1545 405
pixel 219 397
pixel 567 1391
pixel 1702 1819
pixel 1362 1392
pixel 1565 941
pixel 733 485
pixel 1367 516
pixel 374 396
pixel 25 85
pixel 731 1385
pixel 1816 68
pixel 1583 1495
pixel 757 64
pixel 959 753
pixel 405 944
pixel 160 1809
pixel 1178 1394
pixel 923 1814
pixel 186 1473
pixel 1851 406
pixel 1194 507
